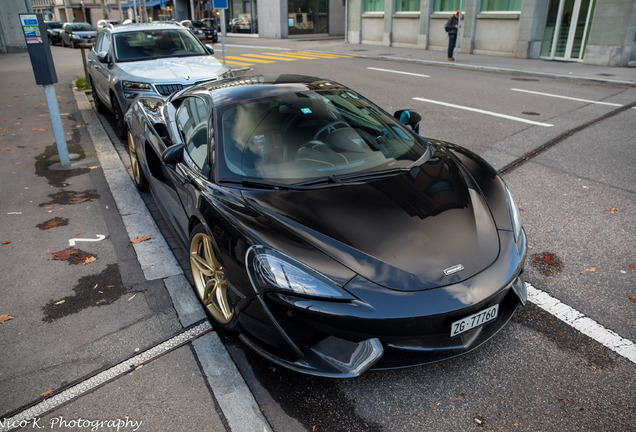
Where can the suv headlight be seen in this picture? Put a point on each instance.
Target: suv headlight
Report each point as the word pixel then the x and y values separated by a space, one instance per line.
pixel 132 86
pixel 273 270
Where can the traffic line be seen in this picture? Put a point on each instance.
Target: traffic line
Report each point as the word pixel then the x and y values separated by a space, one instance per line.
pixel 480 111
pixel 61 397
pixel 235 63
pixel 270 57
pixel 583 324
pixel 325 55
pixel 399 72
pixel 566 97
pixel 294 55
pixel 252 60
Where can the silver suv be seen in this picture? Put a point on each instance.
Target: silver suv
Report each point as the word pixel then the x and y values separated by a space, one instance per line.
pixel 147 60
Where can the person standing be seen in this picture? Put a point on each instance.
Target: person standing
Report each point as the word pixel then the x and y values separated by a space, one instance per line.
pixel 451 28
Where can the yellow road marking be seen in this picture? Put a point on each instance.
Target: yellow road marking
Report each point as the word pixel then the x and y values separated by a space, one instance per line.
pixel 270 57
pixel 298 56
pixel 235 63
pixel 254 60
pixel 326 55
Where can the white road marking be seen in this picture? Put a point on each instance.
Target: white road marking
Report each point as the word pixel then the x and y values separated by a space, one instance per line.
pixel 583 324
pixel 399 72
pixel 100 237
pixel 566 97
pixel 480 111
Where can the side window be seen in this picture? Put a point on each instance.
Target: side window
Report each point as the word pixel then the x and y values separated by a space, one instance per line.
pixel 192 122
pixel 103 42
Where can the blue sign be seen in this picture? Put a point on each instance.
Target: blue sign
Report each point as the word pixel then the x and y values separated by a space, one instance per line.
pixel 219 4
pixel 163 5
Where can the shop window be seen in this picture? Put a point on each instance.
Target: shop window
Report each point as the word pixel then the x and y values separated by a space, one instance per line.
pixel 374 5
pixel 407 5
pixel 501 5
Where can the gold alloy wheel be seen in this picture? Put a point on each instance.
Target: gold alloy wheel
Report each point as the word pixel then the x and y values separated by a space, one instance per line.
pixel 209 278
pixel 134 162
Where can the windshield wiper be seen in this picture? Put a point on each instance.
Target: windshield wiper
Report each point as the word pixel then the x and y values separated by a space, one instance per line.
pixel 336 180
pixel 256 183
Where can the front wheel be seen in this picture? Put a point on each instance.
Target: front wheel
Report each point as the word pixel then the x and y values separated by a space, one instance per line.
pixel 209 279
pixel 120 122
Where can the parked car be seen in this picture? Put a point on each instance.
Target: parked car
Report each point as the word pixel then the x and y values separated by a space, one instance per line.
pixel 74 34
pixel 147 60
pixel 104 23
pixel 201 29
pixel 53 30
pixel 326 232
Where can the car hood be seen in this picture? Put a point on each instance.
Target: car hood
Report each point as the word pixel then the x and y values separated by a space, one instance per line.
pixel 184 70
pixel 419 230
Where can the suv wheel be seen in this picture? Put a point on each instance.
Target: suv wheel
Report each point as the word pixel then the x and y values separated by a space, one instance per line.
pixel 120 123
pixel 99 105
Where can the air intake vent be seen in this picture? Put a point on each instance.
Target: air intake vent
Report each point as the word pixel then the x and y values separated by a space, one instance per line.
pixel 168 89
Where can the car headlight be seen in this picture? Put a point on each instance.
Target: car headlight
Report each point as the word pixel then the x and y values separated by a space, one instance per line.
pixel 136 86
pixel 515 216
pixel 273 270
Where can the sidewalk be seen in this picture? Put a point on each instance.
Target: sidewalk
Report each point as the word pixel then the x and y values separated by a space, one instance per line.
pixel 112 332
pixel 99 330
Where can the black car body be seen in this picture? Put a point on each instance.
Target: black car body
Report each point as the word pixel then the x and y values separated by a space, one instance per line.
pixel 53 30
pixel 330 235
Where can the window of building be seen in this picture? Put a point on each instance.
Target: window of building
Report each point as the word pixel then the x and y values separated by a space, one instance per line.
pixel 446 5
pixel 407 5
pixel 501 5
pixel 374 5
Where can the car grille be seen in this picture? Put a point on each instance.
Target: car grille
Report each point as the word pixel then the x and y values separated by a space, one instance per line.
pixel 168 89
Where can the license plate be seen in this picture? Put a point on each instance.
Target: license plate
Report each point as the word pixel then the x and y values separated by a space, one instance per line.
pixel 472 321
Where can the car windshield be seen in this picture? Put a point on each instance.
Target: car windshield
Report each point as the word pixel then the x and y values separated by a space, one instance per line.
pixel 301 137
pixel 153 44
pixel 200 24
pixel 54 24
pixel 82 27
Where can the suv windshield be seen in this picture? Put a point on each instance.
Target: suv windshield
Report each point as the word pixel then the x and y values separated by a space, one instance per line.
pixel 300 137
pixel 54 24
pixel 153 44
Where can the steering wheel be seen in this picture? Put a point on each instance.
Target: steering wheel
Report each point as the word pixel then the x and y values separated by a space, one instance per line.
pixel 330 128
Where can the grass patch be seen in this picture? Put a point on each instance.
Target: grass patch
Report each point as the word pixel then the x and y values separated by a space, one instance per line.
pixel 82 84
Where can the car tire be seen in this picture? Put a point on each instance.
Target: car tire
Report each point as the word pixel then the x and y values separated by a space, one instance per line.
pixel 62 42
pixel 99 105
pixel 120 122
pixel 210 284
pixel 73 43
pixel 138 175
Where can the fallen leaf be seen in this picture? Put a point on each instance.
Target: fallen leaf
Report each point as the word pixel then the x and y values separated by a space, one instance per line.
pixel 77 235
pixel 593 269
pixel 4 318
pixel 64 255
pixel 6 242
pixel 630 297
pixel 53 211
pixel 19 163
pixel 431 406
pixel 633 266
pixel 133 296
pixel 89 260
pixel 139 239
pixel 48 392
pixel 613 210
pixel 55 222
pixel 78 200
pixel 60 302
pixel 5 149
pixel 89 167
pixel 39 129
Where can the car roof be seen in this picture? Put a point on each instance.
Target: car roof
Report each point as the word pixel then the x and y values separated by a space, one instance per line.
pixel 142 27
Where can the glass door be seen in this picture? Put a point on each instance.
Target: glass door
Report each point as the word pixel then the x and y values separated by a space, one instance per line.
pixel 566 29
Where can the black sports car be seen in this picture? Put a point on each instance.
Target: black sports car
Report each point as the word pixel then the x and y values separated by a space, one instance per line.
pixel 325 231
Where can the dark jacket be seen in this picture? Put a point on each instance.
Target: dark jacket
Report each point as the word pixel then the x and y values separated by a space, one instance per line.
pixel 451 25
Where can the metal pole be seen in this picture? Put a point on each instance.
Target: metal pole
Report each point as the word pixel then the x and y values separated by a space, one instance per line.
pixel 459 20
pixel 56 121
pixel 346 21
pixel 83 9
pixel 223 34
pixel 29 6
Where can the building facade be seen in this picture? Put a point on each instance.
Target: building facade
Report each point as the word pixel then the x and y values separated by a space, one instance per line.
pixel 601 32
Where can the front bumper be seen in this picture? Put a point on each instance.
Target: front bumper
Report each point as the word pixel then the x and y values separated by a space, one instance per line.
pixel 384 329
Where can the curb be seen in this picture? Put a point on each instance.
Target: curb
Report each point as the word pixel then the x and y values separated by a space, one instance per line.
pixel 157 262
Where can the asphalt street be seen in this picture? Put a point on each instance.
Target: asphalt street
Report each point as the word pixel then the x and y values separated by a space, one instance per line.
pixel 120 312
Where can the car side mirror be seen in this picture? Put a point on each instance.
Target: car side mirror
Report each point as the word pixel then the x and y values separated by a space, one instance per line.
pixel 102 56
pixel 173 154
pixel 209 48
pixel 409 118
